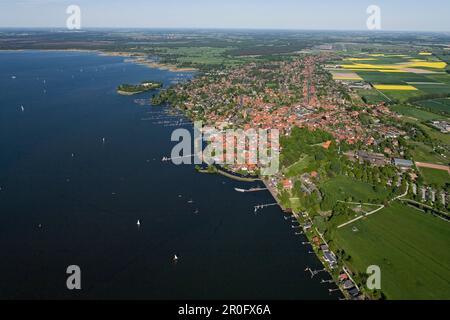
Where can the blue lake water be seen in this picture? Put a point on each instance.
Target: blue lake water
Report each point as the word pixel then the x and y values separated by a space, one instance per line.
pixel 59 209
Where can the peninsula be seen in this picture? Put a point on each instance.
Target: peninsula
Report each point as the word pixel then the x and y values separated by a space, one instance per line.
pixel 130 89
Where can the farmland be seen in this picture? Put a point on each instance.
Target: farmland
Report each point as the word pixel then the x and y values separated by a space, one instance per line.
pixel 372 96
pixel 416 113
pixel 436 105
pixel 400 77
pixel 410 247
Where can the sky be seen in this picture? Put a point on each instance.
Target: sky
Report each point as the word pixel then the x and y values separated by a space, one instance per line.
pixel 401 15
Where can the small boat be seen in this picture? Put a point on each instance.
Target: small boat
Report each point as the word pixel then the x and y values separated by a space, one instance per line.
pixel 22 108
pixel 103 140
pixel 138 223
pixel 196 211
pixel 191 201
pixel 175 258
pixel 13 77
pixel 239 190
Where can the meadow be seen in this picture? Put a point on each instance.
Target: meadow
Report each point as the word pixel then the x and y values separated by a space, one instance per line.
pixel 299 167
pixel 423 115
pixel 344 188
pixel 424 153
pixel 438 178
pixel 409 246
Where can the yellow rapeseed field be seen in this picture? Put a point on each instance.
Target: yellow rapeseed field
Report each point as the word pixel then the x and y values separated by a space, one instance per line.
pixel 395 87
pixel 360 59
pixel 428 64
pixel 412 64
pixel 346 78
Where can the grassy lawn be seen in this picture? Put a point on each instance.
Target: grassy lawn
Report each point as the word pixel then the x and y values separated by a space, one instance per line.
pixel 299 167
pixel 423 153
pixel 435 177
pixel 343 188
pixel 410 247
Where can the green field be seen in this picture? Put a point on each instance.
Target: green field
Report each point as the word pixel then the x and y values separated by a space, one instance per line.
pixel 299 167
pixel 416 113
pixel 435 177
pixel 344 188
pixel 410 247
pixel 377 77
pixel 403 96
pixel 424 153
pixel 436 105
pixel 371 96
pixel 435 134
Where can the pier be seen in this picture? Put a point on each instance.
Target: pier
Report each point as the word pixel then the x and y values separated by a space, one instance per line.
pixel 250 190
pixel 262 206
pixel 165 159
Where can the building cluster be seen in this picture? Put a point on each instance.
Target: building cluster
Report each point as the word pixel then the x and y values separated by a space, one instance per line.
pixel 431 195
pixel 378 159
pixel 443 126
pixel 345 281
pixel 281 95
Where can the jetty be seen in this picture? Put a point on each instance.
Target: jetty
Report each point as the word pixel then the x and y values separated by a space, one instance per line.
pixel 262 206
pixel 165 159
pixel 250 190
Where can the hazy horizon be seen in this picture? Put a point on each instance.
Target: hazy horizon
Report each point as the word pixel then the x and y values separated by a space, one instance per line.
pixel 327 15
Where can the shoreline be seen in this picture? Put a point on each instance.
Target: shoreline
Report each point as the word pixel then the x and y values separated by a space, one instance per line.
pixel 134 57
pixel 296 216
